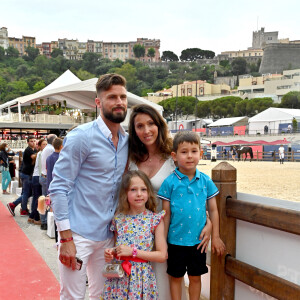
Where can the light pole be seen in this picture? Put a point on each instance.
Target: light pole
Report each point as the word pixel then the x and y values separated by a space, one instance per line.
pixel 176 104
pixel 196 100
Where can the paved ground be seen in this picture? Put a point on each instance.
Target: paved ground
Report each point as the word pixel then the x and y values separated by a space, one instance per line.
pixel 39 238
pixel 23 272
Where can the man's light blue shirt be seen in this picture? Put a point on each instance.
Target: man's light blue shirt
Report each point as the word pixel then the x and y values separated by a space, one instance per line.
pixel 187 205
pixel 86 180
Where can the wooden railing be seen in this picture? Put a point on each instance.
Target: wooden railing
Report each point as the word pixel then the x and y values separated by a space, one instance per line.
pixel 226 269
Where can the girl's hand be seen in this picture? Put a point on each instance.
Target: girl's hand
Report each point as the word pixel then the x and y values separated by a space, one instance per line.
pixel 205 236
pixel 109 254
pixel 123 250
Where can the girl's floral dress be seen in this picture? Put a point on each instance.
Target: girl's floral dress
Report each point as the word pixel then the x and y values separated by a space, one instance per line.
pixel 134 230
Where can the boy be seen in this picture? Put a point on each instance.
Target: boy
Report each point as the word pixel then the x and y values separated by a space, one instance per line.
pixel 51 160
pixel 184 195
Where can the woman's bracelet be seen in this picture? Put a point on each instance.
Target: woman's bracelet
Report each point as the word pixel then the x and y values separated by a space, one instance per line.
pixel 66 240
pixel 134 252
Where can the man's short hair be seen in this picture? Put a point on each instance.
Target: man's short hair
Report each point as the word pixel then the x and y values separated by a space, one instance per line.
pixel 185 136
pixel 105 82
pixel 30 137
pixel 57 143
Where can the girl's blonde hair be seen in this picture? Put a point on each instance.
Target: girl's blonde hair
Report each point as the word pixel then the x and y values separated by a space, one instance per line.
pixel 123 206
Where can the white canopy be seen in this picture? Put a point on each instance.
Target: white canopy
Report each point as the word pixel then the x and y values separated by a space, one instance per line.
pixel 238 121
pixel 78 94
pixel 66 78
pixel 272 117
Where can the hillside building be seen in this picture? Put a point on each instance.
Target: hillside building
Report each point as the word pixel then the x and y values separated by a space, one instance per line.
pixel 22 44
pixel 270 85
pixel 200 89
pixel 4 38
pixel 260 38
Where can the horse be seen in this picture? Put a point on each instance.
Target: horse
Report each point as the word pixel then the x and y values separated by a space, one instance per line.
pixel 244 150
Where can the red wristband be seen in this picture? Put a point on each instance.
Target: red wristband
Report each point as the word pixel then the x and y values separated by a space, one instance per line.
pixel 66 240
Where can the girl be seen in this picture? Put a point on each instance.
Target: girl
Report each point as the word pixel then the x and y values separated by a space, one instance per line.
pixel 137 227
pixel 150 146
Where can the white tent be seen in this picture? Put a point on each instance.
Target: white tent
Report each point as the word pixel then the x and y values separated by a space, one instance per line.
pixel 236 121
pixel 78 94
pixel 272 117
pixel 65 79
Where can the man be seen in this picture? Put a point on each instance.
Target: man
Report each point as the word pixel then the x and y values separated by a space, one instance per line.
pixel 281 154
pixel 84 189
pixel 29 157
pixel 48 150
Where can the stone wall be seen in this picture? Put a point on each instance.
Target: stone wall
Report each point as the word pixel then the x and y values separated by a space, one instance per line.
pixel 279 57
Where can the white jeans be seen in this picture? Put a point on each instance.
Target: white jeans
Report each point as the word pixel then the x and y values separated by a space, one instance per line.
pixel 73 283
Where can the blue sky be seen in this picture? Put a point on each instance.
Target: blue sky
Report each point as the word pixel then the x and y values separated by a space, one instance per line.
pixel 211 25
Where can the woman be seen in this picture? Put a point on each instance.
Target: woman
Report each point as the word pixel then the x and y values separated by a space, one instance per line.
pixel 4 162
pixel 150 146
pixel 34 216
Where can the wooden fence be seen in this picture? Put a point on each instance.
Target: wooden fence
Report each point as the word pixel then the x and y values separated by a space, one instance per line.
pixel 225 270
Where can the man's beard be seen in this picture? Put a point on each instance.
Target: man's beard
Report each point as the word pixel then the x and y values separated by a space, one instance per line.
pixel 119 118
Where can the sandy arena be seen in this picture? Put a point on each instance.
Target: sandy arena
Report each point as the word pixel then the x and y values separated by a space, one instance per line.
pixel 268 179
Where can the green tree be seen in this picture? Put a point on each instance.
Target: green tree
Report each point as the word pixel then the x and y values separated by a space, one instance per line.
pixel 2 53
pixel 56 52
pixel 151 53
pixel 18 87
pixel 41 64
pixel 295 125
pixel 3 87
pixel 185 105
pixel 59 64
pixel 38 86
pixel 291 100
pixel 203 109
pixel 169 56
pixel 239 66
pixel 139 51
pixel 12 52
pixel 192 54
pixel 129 72
pixel 22 70
pixel 31 80
pixel 90 62
pixel 224 63
pixel 84 75
pixel 32 53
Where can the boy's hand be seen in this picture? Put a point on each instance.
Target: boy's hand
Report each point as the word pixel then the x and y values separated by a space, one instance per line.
pixel 218 246
pixel 109 254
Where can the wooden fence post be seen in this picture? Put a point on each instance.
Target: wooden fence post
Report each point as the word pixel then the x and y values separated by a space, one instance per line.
pixel 221 284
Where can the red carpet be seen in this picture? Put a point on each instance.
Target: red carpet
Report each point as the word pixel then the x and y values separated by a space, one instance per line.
pixel 23 272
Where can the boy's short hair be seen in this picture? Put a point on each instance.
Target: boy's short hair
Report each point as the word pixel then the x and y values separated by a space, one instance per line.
pixel 105 82
pixel 185 136
pixel 57 143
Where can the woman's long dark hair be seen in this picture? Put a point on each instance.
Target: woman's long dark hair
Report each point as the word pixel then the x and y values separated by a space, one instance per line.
pixel 137 150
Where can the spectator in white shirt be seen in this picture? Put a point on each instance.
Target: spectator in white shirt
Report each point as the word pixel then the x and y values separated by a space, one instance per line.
pixel 48 150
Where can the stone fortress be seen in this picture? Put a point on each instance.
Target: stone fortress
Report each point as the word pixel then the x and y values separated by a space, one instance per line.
pixel 279 57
